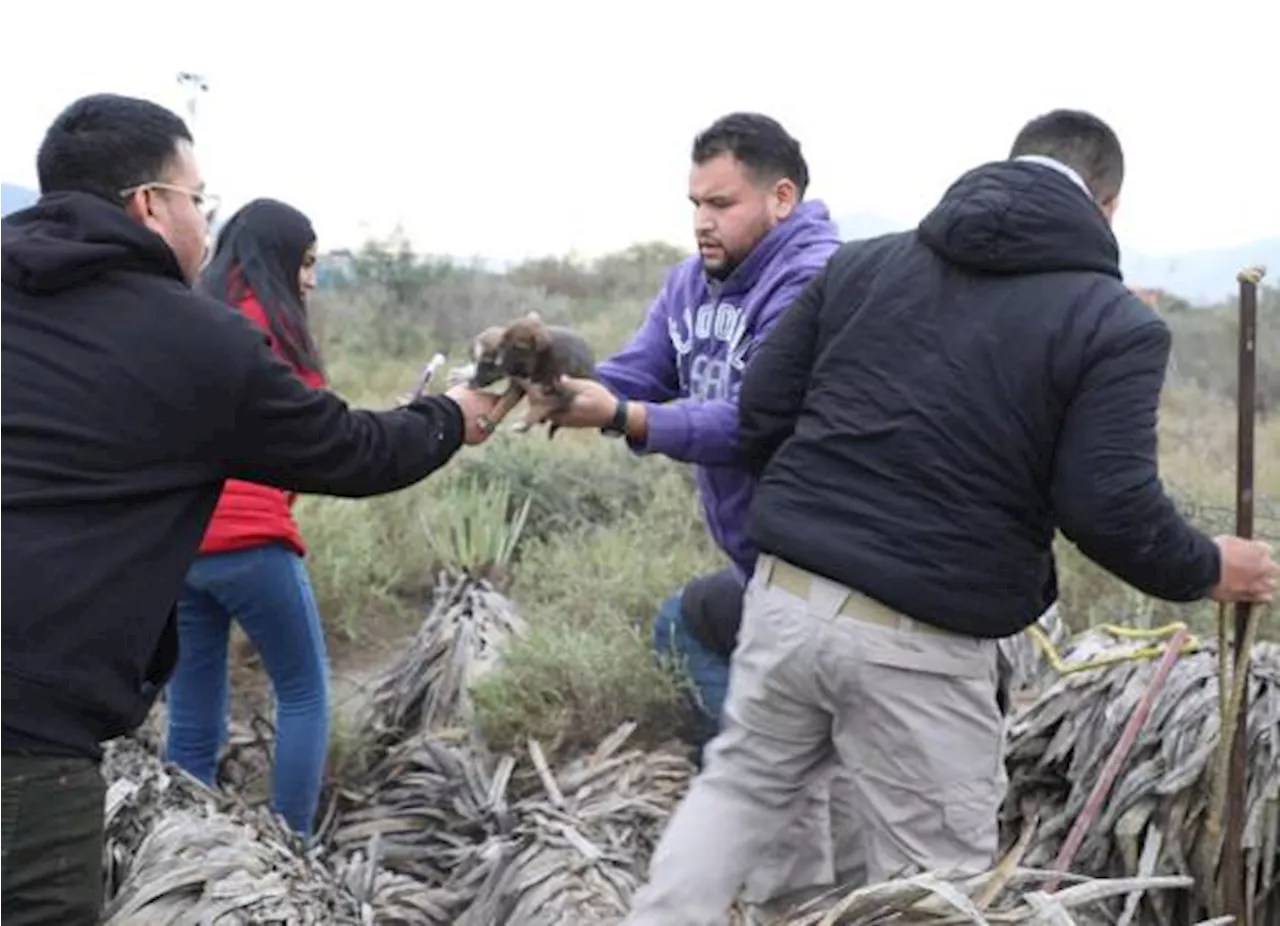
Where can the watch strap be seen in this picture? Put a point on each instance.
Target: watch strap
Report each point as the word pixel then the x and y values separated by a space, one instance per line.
pixel 618 426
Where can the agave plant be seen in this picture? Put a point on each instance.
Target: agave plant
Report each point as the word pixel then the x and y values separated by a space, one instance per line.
pixel 476 531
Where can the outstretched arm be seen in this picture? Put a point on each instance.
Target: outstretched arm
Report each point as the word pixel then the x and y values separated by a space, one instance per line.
pixel 1106 484
pixel 293 437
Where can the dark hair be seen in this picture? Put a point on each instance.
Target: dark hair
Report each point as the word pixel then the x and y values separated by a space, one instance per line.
pixel 105 143
pixel 757 141
pixel 1081 141
pixel 259 251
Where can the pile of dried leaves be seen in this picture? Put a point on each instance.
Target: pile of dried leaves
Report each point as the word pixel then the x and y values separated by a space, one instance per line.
pixel 1154 819
pixel 1001 896
pixel 491 839
pixel 575 848
pixel 427 686
pixel 177 851
pixel 492 842
pixel 433 829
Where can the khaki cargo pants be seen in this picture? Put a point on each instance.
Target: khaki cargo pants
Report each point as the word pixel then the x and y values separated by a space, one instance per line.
pixel 820 849
pixel 822 674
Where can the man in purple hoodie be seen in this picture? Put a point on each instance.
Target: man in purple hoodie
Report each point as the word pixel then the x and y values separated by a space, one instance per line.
pixel 673 389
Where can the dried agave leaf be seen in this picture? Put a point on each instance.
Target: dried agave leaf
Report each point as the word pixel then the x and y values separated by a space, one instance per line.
pixel 932 899
pixel 427 686
pixel 176 851
pixel 579 844
pixel 1059 744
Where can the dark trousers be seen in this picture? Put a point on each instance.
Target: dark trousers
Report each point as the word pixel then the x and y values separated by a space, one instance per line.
pixel 52 841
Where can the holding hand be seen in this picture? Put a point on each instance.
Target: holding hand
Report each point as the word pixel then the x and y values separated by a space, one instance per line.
pixel 1248 572
pixel 592 405
pixel 476 407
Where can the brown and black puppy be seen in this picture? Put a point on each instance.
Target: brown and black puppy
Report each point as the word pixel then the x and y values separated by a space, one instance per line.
pixel 533 353
pixel 484 371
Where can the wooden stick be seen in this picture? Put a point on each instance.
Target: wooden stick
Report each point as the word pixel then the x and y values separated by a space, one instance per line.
pixel 1233 872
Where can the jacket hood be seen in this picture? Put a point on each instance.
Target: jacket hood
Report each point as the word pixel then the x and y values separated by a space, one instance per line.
pixel 810 224
pixel 1016 217
pixel 69 238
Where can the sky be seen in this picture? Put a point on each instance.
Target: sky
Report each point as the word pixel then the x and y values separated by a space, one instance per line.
pixel 516 129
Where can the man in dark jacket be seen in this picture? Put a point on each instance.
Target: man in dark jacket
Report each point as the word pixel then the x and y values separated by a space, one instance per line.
pixel 127 401
pixel 931 409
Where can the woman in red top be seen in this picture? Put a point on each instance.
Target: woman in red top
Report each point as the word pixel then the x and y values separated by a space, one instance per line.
pixel 251 565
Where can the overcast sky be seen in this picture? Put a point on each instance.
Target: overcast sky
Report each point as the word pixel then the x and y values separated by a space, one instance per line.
pixel 508 129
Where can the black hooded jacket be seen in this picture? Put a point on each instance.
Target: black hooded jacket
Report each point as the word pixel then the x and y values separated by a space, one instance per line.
pixel 938 401
pixel 127 401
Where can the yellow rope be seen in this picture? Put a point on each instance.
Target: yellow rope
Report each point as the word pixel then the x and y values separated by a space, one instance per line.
pixel 1054 658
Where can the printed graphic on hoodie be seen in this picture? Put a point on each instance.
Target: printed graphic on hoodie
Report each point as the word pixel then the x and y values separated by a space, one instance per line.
pixel 711 347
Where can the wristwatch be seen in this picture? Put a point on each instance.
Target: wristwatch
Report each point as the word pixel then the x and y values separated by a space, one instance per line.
pixel 618 426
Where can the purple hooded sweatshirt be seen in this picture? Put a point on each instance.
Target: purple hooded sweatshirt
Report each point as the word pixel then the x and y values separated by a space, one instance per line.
pixel 688 356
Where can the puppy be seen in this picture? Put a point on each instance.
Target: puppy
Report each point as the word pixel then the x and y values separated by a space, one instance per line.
pixel 532 353
pixel 484 370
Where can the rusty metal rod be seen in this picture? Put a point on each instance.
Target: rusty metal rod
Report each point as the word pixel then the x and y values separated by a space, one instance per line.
pixel 1115 761
pixel 1234 890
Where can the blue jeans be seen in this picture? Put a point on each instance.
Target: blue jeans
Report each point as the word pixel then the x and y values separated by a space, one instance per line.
pixel 266 589
pixel 708 671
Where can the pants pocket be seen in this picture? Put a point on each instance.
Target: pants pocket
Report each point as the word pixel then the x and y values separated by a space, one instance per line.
pixel 908 828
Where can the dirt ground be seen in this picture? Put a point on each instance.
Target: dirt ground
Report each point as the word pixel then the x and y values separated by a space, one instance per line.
pixel 351 663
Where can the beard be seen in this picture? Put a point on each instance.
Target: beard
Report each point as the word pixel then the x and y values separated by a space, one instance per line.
pixel 720 272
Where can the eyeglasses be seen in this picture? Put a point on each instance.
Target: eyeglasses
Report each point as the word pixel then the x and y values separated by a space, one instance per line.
pixel 207 203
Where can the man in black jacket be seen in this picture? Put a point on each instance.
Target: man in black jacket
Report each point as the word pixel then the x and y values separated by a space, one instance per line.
pixel 127 401
pixel 933 407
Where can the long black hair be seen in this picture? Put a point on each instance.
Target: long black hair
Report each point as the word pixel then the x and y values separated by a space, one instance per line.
pixel 260 250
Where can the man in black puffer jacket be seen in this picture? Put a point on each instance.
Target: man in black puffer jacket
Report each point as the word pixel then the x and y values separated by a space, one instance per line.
pixel 931 409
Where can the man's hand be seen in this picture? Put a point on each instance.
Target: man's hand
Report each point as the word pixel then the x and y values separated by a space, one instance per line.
pixel 1248 572
pixel 476 407
pixel 592 406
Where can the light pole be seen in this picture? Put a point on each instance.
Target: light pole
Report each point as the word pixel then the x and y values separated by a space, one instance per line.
pixel 194 85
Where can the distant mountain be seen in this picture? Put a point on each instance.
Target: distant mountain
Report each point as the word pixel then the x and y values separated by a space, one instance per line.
pixel 13 198
pixel 1201 276
pixel 859 225
pixel 1196 276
